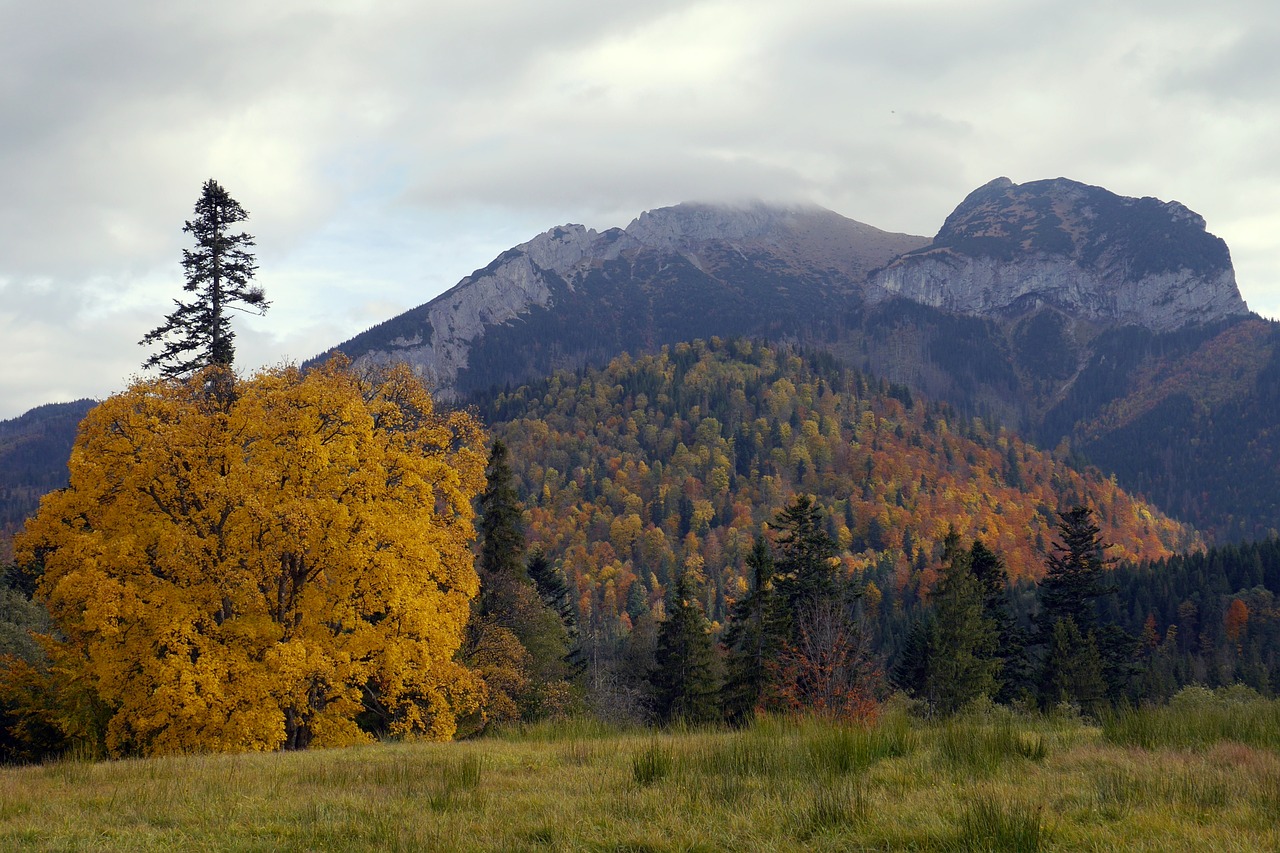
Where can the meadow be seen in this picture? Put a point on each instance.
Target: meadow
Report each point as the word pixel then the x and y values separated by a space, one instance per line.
pixel 1200 774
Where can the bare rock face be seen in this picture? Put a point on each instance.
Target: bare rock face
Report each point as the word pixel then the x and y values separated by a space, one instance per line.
pixel 557 268
pixel 1011 247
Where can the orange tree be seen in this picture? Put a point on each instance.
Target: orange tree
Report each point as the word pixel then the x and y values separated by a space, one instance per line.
pixel 287 565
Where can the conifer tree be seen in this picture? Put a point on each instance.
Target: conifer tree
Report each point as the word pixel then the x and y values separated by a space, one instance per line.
pixel 805 574
pixel 537 666
pixel 503 580
pixel 684 678
pixel 749 640
pixel 218 272
pixel 554 591
pixel 1011 640
pixel 963 663
pixel 1074 579
pixel 1073 668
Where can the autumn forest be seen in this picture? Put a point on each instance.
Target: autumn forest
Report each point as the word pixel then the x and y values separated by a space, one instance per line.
pixel 710 533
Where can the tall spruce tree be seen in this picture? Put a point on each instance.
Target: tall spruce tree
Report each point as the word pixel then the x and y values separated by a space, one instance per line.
pixel 218 273
pixel 964 663
pixel 1011 640
pixel 749 641
pixel 535 660
pixel 685 676
pixel 503 578
pixel 804 572
pixel 1074 579
pixel 1073 669
pixel 554 591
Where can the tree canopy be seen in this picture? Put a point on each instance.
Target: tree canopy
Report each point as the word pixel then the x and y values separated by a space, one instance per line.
pixel 267 569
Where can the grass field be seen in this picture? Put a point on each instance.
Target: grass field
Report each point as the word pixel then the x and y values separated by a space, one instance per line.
pixel 990 780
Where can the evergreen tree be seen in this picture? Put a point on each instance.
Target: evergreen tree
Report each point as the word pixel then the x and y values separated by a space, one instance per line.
pixel 910 672
pixel 1074 579
pixel 804 574
pixel 1078 666
pixel 554 591
pixel 749 640
pixel 684 678
pixel 964 662
pixel 218 272
pixel 1011 640
pixel 534 659
pixel 504 581
pixel 1073 668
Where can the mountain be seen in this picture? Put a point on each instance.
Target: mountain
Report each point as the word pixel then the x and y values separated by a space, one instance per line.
pixel 572 296
pixel 1009 248
pixel 1055 309
pixel 1107 328
pixel 33 460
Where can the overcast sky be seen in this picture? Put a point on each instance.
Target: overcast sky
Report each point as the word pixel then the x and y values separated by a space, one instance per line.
pixel 384 150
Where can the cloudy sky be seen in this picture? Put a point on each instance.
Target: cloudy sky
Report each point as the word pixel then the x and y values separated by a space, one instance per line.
pixel 386 149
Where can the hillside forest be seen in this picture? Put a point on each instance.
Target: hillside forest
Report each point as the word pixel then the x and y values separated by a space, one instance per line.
pixel 718 529
pixel 715 530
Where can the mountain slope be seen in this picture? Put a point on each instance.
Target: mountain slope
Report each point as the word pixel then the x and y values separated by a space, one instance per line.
pixel 572 296
pixel 33 460
pixel 679 459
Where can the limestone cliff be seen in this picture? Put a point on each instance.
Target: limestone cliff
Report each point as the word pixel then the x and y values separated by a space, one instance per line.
pixel 1011 247
pixel 692 270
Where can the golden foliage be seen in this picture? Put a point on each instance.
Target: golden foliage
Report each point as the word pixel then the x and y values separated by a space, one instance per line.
pixel 252 572
pixel 683 457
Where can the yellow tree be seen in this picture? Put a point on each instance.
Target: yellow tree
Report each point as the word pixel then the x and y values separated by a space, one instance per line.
pixel 256 571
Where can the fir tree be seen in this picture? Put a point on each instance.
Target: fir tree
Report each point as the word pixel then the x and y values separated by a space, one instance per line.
pixel 1073 668
pixel 963 663
pixel 684 678
pixel 749 640
pixel 805 574
pixel 1011 640
pixel 218 272
pixel 503 579
pixel 1074 579
pixel 509 602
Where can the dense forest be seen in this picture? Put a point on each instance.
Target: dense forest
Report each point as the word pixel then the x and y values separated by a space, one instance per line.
pixel 728 526
pixel 661 464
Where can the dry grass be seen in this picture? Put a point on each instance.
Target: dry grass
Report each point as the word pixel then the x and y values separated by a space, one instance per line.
pixel 989 781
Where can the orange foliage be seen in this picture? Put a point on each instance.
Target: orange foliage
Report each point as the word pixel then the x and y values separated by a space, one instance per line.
pixel 714 439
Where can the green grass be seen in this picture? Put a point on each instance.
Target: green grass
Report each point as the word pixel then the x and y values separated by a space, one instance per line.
pixel 987 780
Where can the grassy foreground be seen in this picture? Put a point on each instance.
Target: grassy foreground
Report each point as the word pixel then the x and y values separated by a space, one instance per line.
pixel 988 781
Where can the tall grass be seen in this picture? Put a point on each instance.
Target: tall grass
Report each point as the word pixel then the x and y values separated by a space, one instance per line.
pixel 993 823
pixel 1197 718
pixel 987 780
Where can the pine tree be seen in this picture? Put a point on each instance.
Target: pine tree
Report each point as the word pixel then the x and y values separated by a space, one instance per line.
pixel 749 640
pixel 503 579
pixel 554 591
pixel 1078 666
pixel 218 271
pixel 510 602
pixel 1074 579
pixel 1011 640
pixel 964 662
pixel 684 678
pixel 805 574
pixel 1073 668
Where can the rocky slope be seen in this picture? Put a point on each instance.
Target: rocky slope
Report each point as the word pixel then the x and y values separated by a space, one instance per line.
pixel 573 296
pixel 1009 248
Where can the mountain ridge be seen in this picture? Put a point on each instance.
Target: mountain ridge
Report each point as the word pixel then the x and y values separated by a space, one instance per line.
pixel 1008 247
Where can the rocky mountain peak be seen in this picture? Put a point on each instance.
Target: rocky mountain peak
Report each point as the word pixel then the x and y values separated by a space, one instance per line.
pixel 1081 248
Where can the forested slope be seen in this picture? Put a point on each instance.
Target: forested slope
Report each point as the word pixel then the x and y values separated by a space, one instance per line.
pixel 680 458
